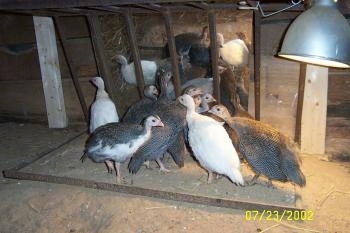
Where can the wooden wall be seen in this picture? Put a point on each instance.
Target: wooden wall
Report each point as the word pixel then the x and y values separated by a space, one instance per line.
pixel 21 92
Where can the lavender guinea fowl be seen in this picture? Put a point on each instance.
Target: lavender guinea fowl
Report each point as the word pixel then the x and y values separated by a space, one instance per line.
pixel 117 142
pixel 266 150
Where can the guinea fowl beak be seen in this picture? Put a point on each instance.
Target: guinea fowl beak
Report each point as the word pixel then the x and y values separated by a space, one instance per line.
pixel 160 124
pixel 93 80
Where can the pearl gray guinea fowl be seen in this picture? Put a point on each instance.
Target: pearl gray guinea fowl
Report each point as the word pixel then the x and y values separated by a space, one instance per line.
pixel 132 114
pixel 169 138
pixel 117 142
pixel 266 150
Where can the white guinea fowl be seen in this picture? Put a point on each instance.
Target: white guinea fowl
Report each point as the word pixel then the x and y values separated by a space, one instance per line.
pixel 103 109
pixel 114 143
pixel 234 52
pixel 211 144
pixel 149 69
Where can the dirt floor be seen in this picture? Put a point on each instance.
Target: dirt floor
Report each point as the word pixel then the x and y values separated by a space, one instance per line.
pixel 31 206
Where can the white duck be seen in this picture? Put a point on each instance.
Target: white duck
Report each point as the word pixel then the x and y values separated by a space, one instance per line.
pixel 102 110
pixel 234 52
pixel 149 69
pixel 211 144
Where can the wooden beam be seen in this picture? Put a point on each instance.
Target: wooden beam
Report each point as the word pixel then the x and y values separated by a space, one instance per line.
pixel 313 121
pixel 103 63
pixel 72 71
pixel 214 54
pixel 135 52
pixel 257 62
pixel 37 4
pixel 50 72
pixel 172 50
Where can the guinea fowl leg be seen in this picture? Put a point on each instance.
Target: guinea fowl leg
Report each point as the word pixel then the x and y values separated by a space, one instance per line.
pixel 147 164
pixel 210 177
pixel 110 166
pixel 269 184
pixel 117 171
pixel 161 166
pixel 253 181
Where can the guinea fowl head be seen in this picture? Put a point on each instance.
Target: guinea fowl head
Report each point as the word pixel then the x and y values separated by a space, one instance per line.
pixel 151 92
pixel 208 98
pixel 121 60
pixel 98 82
pixel 197 100
pixel 187 101
pixel 153 120
pixel 205 33
pixel 193 91
pixel 220 111
pixel 220 39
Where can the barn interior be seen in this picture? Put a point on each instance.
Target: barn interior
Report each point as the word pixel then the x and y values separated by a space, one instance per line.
pixel 45 111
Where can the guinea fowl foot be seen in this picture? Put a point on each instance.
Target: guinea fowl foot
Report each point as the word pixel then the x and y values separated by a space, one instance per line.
pixel 270 185
pixel 147 164
pixel 161 166
pixel 110 166
pixel 253 181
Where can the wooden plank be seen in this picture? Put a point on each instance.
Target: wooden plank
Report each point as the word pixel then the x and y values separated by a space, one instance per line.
pixel 313 121
pixel 50 72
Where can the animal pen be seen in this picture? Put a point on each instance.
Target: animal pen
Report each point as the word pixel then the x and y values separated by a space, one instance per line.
pixel 61 165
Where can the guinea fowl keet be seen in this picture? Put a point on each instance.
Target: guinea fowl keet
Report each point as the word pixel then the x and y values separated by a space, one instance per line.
pixel 211 144
pixel 265 149
pixel 102 110
pixel 115 143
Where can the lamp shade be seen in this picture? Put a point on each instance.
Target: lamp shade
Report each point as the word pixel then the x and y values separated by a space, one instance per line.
pixel 320 36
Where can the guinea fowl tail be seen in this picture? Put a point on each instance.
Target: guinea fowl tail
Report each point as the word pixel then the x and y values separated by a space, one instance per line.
pixel 135 164
pixel 236 177
pixel 291 168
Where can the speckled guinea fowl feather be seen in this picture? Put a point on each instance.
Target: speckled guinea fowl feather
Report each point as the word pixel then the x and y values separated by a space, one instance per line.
pixel 110 136
pixel 268 151
pixel 173 117
pixel 138 111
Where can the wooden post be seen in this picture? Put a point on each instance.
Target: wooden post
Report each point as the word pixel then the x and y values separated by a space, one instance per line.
pixel 297 133
pixel 172 51
pixel 313 121
pixel 257 62
pixel 50 72
pixel 214 54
